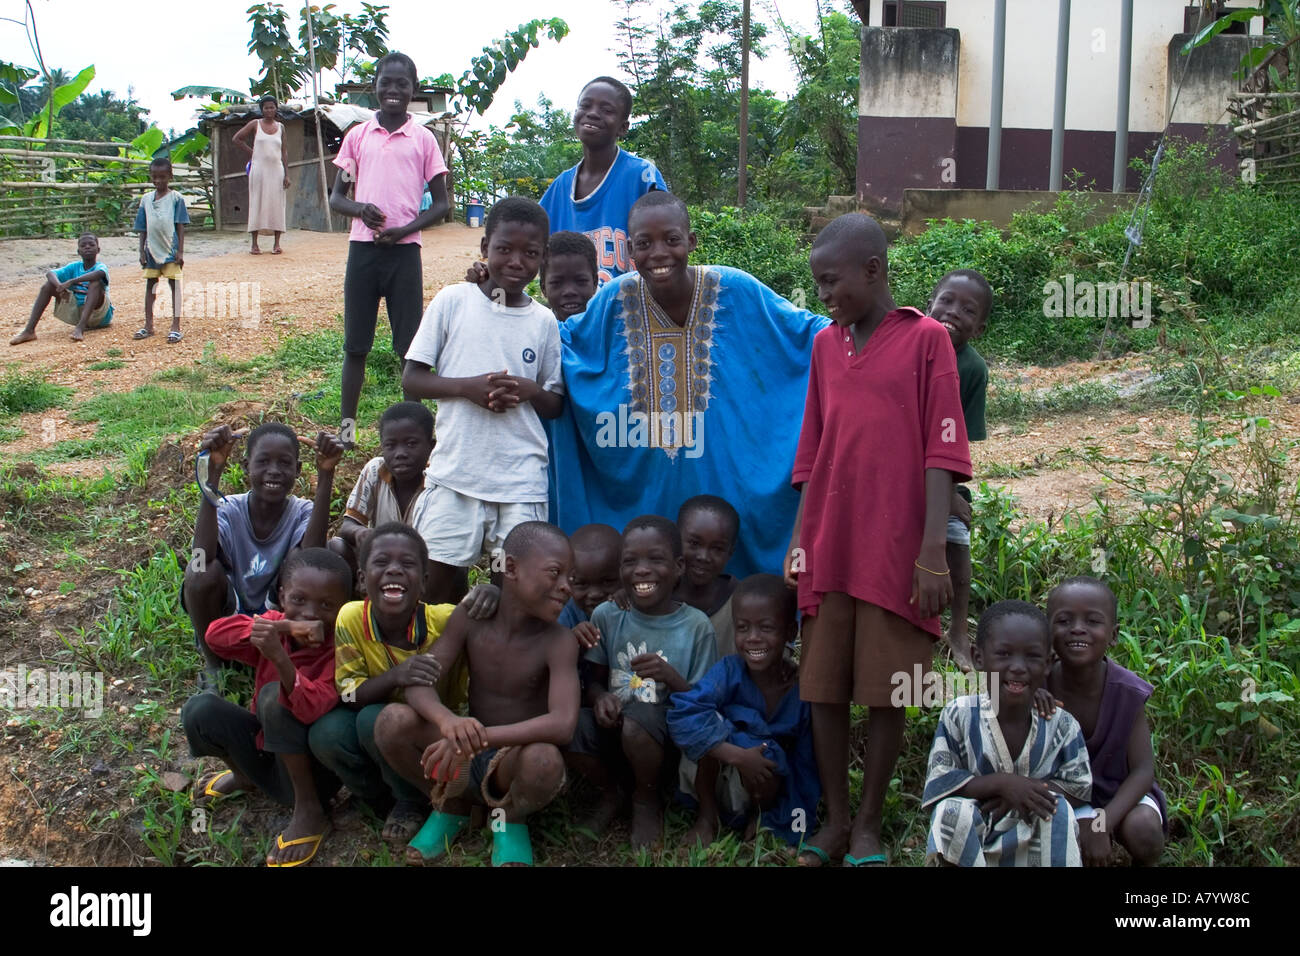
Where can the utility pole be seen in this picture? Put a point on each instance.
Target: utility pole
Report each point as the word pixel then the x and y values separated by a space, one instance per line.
pixel 742 175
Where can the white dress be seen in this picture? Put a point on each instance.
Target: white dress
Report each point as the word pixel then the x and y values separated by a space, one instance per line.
pixel 266 182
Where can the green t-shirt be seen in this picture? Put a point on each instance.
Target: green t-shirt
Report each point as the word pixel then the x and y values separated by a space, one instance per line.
pixel 974 375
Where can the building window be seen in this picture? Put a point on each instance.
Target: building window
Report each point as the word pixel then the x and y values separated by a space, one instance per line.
pixel 916 13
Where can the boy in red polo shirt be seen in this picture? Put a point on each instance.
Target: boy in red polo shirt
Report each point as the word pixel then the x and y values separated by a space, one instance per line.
pixel 883 437
pixel 390 159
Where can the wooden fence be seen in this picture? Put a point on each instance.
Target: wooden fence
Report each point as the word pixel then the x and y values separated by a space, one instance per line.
pixel 61 187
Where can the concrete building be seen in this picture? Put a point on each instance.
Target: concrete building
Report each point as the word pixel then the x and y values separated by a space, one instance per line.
pixel 925 98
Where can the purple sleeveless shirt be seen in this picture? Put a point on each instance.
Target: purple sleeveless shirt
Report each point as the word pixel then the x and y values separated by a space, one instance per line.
pixel 1121 700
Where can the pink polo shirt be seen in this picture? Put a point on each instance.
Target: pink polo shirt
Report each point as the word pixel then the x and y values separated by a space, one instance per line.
pixel 874 421
pixel 389 170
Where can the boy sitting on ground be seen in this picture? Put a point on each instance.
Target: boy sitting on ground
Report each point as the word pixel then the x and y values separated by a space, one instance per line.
pixel 80 294
pixel 389 484
pixel 656 648
pixel 383 646
pixel 745 736
pixel 523 706
pixel 240 543
pixel 293 654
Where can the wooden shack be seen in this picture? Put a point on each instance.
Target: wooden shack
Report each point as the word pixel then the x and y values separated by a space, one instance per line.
pixel 305 206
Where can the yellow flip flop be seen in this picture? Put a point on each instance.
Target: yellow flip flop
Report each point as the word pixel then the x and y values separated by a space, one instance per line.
pixel 208 793
pixel 283 844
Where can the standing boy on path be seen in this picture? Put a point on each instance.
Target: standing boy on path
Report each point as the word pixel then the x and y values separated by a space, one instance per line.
pixel 390 158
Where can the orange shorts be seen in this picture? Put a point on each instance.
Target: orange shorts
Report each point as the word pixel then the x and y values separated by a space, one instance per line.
pixel 851 649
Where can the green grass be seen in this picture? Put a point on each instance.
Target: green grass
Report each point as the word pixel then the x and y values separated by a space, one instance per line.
pixel 106 366
pixel 1008 404
pixel 22 392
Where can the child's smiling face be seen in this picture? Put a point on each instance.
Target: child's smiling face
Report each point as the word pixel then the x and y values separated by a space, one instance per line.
pixel 406 448
pixel 1082 624
pixel 569 284
pixel 313 594
pixel 599 119
pixel 662 243
pixel 161 177
pixel 962 308
pixel 1017 650
pixel 514 254
pixel 707 545
pixel 762 631
pixel 846 285
pixel 273 467
pixel 394 574
pixel 394 89
pixel 539 579
pixel 595 576
pixel 649 570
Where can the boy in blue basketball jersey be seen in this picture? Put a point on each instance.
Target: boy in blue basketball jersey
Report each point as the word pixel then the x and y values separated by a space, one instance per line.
pixel 596 196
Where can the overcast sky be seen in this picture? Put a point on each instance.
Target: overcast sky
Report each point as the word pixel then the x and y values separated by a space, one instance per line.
pixel 156 47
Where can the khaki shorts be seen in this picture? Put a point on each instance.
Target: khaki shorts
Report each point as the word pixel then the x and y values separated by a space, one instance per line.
pixel 458 529
pixel 851 649
pixel 69 312
pixel 168 270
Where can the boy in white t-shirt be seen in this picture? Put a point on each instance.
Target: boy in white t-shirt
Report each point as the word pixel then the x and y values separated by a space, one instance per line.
pixel 490 355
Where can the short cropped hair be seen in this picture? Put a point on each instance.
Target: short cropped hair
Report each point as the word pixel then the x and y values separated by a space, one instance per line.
pixel 711 503
pixel 265 98
pixel 402 60
pixel 565 243
pixel 769 587
pixel 658 197
pixel 974 276
pixel 659 524
pixel 398 530
pixel 1082 580
pixel 518 209
pixel 528 536
pixel 272 428
pixel 590 537
pixel 858 230
pixel 620 89
pixel 322 559
pixel 1004 609
pixel 416 412
pixel 160 161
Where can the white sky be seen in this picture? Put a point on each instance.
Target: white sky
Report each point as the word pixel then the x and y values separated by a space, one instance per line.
pixel 156 47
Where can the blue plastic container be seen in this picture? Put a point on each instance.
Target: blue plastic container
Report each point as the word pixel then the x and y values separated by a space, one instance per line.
pixel 474 214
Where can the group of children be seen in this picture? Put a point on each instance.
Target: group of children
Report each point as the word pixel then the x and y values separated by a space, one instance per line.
pixel 629 656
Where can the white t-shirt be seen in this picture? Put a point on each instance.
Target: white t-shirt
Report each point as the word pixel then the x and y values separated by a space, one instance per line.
pixel 492 456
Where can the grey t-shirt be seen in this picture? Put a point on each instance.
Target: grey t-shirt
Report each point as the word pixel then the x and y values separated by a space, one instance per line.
pixel 684 638
pixel 492 456
pixel 254 563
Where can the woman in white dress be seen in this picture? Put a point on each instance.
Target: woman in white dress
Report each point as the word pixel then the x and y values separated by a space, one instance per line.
pixel 268 173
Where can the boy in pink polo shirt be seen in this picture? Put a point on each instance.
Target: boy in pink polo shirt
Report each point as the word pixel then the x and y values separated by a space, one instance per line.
pixel 883 437
pixel 390 159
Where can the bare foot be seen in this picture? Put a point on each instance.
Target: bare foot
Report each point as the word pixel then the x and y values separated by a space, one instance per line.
pixel 647 822
pixel 24 336
pixel 307 821
pixel 77 333
pixel 959 645
pixel 703 833
pixel 601 817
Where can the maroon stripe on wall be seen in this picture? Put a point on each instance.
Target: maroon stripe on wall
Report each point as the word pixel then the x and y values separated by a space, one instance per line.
pixel 897 153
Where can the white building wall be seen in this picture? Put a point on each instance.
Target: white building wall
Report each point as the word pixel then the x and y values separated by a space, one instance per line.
pixel 1093 75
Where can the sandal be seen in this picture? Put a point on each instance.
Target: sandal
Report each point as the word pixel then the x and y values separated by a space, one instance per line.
pixel 143 334
pixel 876 859
pixel 404 822
pixel 173 337
pixel 207 787
pixel 283 844
pixel 435 837
pixel 511 846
